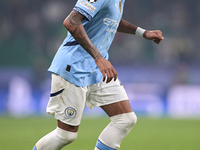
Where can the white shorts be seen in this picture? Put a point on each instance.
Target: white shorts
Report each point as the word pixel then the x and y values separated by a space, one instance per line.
pixel 67 101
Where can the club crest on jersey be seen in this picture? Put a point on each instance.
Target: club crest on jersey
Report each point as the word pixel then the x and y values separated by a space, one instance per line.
pixel 92 1
pixel 70 112
pixel 87 5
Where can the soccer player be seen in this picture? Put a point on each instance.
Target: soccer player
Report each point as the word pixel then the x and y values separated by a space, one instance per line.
pixel 82 75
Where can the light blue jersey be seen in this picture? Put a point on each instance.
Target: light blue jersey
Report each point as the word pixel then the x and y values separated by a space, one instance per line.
pixel 74 63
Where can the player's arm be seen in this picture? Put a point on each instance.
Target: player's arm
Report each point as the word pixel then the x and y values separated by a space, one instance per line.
pixel 126 27
pixel 74 25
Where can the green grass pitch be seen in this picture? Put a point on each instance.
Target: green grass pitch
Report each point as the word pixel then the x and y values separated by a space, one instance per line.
pixel 148 134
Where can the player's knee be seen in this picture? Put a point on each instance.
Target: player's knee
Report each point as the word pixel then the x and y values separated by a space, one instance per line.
pixel 132 118
pixel 66 136
pixel 71 138
pixel 124 121
pixel 129 121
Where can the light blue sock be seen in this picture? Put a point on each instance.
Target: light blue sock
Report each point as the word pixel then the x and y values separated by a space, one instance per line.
pixel 34 148
pixel 101 146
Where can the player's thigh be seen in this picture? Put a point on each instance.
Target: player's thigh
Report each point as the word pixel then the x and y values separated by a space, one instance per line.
pixel 67 102
pixel 117 108
pixel 67 127
pixel 111 97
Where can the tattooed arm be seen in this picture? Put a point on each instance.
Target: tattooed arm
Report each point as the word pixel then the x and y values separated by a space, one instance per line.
pixel 74 25
pixel 126 27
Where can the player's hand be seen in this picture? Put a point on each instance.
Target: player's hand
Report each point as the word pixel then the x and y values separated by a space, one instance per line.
pixel 155 35
pixel 106 69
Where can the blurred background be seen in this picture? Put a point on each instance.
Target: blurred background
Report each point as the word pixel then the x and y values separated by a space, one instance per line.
pixel 161 80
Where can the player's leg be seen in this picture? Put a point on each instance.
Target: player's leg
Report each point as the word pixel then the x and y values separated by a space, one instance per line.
pixel 58 138
pixel 112 98
pixel 66 103
pixel 122 120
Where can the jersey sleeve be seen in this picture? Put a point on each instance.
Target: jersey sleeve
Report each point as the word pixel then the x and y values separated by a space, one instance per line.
pixel 89 8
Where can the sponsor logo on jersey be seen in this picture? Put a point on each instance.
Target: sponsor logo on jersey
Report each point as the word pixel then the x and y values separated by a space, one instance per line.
pixel 112 25
pixel 88 6
pixel 70 112
pixel 92 1
pixel 110 22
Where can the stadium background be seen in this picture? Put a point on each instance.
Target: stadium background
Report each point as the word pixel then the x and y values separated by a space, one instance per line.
pixel 161 80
